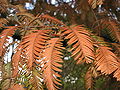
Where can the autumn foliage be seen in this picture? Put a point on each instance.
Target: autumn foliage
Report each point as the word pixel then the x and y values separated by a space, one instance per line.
pixel 38 56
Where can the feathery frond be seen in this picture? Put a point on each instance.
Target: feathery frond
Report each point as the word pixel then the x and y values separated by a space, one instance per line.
pixel 113 30
pixel 27 21
pixel 39 56
pixel 16 87
pixel 117 72
pixel 88 79
pixel 9 31
pixel 4 2
pixel 82 45
pixel 24 18
pixel 116 48
pixel 36 80
pixel 94 3
pixel 106 61
pixel 110 29
pixel 33 44
pixel 3 21
pixel 3 6
pixel 15 61
pixel 51 20
pixel 53 60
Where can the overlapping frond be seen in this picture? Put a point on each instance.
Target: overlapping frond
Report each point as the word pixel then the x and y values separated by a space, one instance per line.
pixel 16 87
pixel 36 80
pixel 109 29
pixel 88 79
pixel 33 44
pixel 29 50
pixel 114 30
pixel 27 21
pixel 3 5
pixel 106 61
pixel 116 48
pixel 9 31
pixel 117 72
pixel 15 61
pixel 82 46
pixel 94 3
pixel 3 22
pixel 51 20
pixel 3 2
pixel 24 17
pixel 53 59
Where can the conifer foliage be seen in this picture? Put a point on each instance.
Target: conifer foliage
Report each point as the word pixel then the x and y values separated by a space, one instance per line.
pixel 38 56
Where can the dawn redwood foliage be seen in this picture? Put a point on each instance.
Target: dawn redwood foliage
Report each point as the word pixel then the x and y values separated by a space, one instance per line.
pixel 38 55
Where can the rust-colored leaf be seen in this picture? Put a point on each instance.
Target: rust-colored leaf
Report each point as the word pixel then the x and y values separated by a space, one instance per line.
pixel 82 46
pixel 32 45
pixel 53 64
pixel 17 87
pixel 3 21
pixel 114 30
pixel 15 61
pixel 3 6
pixel 106 61
pixel 94 3
pixel 4 2
pixel 88 79
pixel 117 72
pixel 116 48
pixel 3 38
